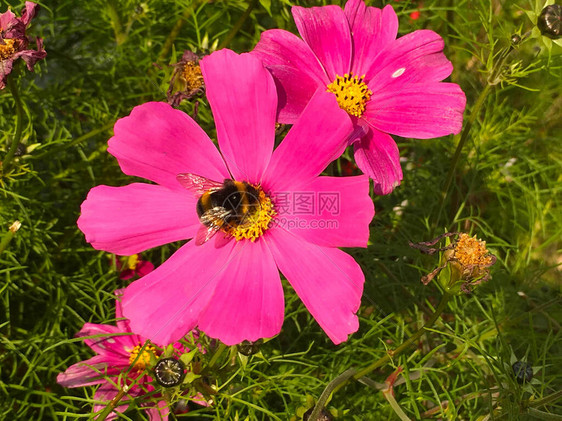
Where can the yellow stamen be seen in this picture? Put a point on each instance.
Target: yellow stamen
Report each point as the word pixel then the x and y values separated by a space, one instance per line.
pixel 7 49
pixel 470 251
pixel 256 222
pixel 132 261
pixel 192 77
pixel 140 362
pixel 351 92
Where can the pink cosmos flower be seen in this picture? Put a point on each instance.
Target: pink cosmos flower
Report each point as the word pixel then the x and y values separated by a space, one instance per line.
pixel 230 286
pixel 386 85
pixel 115 354
pixel 14 42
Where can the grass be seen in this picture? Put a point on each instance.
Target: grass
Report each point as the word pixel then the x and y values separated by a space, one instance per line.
pixel 105 57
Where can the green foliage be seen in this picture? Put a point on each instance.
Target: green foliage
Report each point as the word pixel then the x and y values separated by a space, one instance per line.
pixel 105 57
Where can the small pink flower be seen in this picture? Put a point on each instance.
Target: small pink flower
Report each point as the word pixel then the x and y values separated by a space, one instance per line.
pixel 115 356
pixel 386 85
pixel 133 266
pixel 230 287
pixel 14 41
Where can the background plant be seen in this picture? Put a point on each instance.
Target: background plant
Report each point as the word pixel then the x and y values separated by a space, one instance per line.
pixel 105 57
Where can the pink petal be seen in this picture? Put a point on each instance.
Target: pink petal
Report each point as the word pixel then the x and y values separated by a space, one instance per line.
pixel 329 211
pixel 414 58
pixel 122 323
pixel 109 341
pixel 85 373
pixel 326 30
pixel 144 268
pixel 31 56
pixel 243 98
pixel 133 218
pixel 294 67
pixel 157 142
pixel 318 137
pixel 419 110
pixel 104 395
pixel 376 154
pixel 164 305
pixel 28 13
pixel 5 70
pixel 8 19
pixel 328 281
pixel 158 413
pixel 373 29
pixel 248 300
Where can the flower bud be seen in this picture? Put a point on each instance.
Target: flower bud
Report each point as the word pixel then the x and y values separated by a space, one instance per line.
pixel 169 372
pixel 523 372
pixel 550 21
pixel 248 348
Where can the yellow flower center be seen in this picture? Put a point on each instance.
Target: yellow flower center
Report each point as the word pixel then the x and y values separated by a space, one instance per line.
pixel 141 361
pixel 351 92
pixel 255 222
pixel 470 251
pixel 7 49
pixel 132 261
pixel 192 77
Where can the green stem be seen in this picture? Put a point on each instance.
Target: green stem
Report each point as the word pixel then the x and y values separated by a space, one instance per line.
pixel 464 137
pixel 546 400
pixel 545 416
pixel 230 36
pixel 216 355
pixel 7 163
pixel 76 141
pixel 343 378
pixel 175 32
pixel 120 37
pixel 113 404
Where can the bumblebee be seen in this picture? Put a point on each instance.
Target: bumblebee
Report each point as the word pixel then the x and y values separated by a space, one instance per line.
pixel 220 206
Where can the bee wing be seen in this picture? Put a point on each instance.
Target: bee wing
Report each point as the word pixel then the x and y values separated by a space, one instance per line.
pixel 197 184
pixel 205 234
pixel 212 220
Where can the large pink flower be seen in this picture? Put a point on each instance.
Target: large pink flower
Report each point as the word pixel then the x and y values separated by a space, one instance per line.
pixel 116 348
pixel 230 287
pixel 387 85
pixel 14 41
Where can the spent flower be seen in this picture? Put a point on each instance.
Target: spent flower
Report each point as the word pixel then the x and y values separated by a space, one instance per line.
pixel 14 41
pixel 229 285
pixel 187 79
pixel 386 85
pixel 467 262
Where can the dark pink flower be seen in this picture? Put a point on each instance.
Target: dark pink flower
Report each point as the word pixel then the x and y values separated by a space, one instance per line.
pixel 14 41
pixel 115 354
pixel 230 287
pixel 386 85
pixel 133 266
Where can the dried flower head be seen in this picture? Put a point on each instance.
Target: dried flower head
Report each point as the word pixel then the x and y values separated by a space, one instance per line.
pixel 187 79
pixel 467 259
pixel 523 372
pixel 14 41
